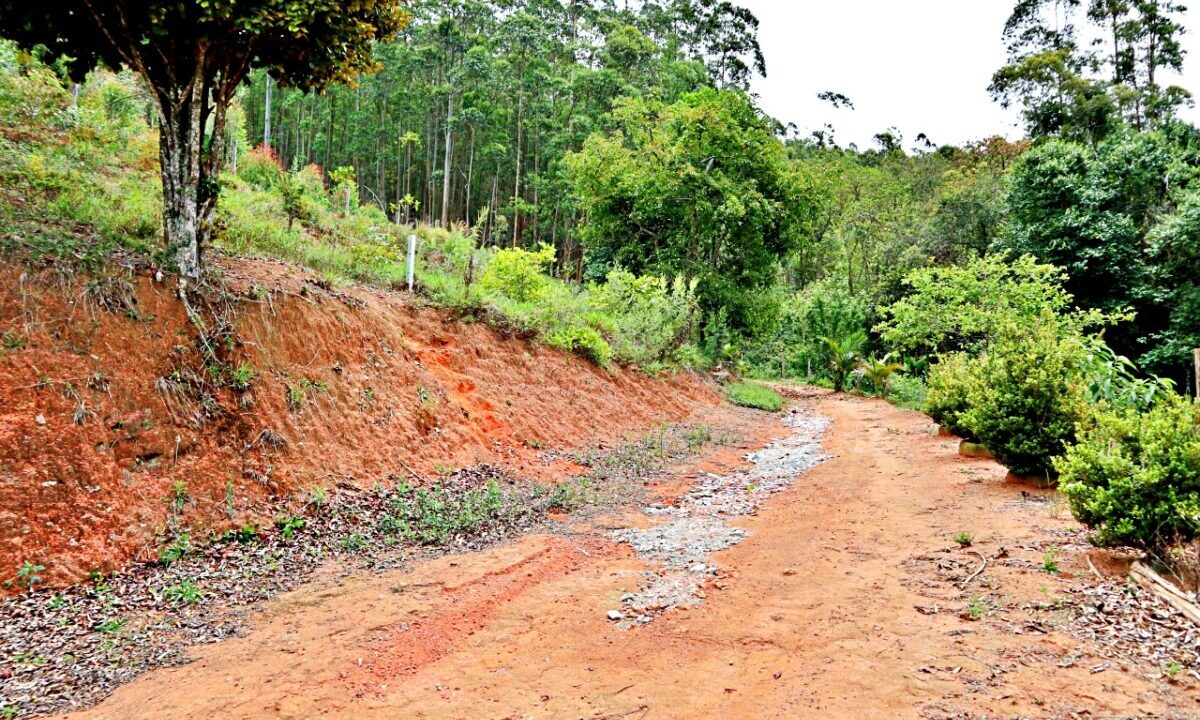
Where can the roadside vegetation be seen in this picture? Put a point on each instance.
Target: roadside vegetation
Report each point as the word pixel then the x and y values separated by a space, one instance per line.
pixel 601 180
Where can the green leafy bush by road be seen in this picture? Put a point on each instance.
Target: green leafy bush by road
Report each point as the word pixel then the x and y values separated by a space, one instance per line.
pixel 753 395
pixel 947 398
pixel 1029 398
pixel 1135 477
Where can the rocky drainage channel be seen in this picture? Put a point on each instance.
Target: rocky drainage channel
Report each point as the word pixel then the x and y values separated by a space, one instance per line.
pixel 698 525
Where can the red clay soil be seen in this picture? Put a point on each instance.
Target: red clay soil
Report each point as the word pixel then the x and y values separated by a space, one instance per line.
pixel 834 607
pixel 93 447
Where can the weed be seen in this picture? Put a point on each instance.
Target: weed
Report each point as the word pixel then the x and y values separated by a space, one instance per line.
pixel 662 439
pixel 353 543
pixel 241 377
pixel 697 437
pixel 753 395
pixel 111 625
pixel 179 496
pixel 244 535
pixel 8 712
pixel 176 550
pixel 298 394
pixel 11 341
pixel 1172 669
pixel 186 593
pixel 58 602
pixel 1050 560
pixel 964 539
pixel 977 608
pixel 318 497
pixel 230 498
pixel 27 574
pixel 289 526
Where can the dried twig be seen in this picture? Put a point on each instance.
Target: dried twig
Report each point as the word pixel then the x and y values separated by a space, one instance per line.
pixel 982 567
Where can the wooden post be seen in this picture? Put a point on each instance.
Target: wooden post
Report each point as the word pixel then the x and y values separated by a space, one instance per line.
pixel 1196 370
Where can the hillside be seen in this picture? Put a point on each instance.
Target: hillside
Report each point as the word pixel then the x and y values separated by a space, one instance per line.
pixel 109 416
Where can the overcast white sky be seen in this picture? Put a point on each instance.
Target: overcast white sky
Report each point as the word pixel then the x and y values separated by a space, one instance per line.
pixel 920 65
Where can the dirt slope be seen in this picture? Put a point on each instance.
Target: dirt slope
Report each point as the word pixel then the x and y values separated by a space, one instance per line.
pixel 843 602
pixel 99 408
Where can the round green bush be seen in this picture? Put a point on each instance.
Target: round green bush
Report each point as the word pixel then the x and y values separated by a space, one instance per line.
pixel 948 395
pixel 1135 478
pixel 1029 398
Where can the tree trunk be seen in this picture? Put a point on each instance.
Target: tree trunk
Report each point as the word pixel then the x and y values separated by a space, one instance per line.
pixel 267 116
pixel 449 156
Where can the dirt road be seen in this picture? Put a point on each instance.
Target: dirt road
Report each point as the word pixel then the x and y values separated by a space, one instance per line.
pixel 846 599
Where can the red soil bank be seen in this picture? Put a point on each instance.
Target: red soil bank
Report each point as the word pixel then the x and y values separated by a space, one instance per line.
pixel 93 448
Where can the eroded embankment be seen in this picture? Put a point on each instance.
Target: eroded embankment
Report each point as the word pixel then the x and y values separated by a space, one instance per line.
pixel 110 433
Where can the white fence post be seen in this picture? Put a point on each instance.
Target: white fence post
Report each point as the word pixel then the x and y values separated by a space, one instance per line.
pixel 412 259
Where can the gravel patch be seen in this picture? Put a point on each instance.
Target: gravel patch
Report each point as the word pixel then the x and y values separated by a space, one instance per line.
pixel 698 525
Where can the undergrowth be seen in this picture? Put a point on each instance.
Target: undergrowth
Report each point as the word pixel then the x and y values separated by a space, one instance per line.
pixel 754 395
pixel 79 184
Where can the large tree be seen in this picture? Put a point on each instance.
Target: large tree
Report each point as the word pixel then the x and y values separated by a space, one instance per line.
pixel 193 56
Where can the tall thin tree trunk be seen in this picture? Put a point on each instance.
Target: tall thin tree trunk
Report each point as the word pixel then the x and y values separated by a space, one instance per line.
pixel 449 156
pixel 267 116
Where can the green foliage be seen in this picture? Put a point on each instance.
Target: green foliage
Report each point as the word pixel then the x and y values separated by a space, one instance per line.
pixel 794 348
pixel 289 526
pixel 1117 217
pixel 878 372
pixel 842 356
pixel 519 274
pixel 1029 399
pixel 177 550
pixel 650 318
pixel 964 539
pixel 960 308
pixel 262 169
pixel 28 575
pixel 1050 561
pixel 951 383
pixel 754 395
pixel 743 211
pixel 1135 477
pixel 184 593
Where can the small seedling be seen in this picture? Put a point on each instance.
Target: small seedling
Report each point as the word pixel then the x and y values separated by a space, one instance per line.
pixel 176 550
pixel 179 496
pixel 28 575
pixel 353 543
pixel 1173 668
pixel 976 608
pixel 111 625
pixel 185 592
pixel 318 497
pixel 964 539
pixel 1050 561
pixel 289 526
pixel 58 602
pixel 241 377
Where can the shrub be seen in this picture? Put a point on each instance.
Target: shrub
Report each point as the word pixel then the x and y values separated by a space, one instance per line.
pixel 584 341
pixel 947 396
pixel 518 274
pixel 1135 478
pixel 842 356
pixel 261 168
pixel 1030 397
pixel 753 395
pixel 648 316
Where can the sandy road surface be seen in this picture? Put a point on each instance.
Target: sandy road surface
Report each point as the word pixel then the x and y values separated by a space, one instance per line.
pixel 845 600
